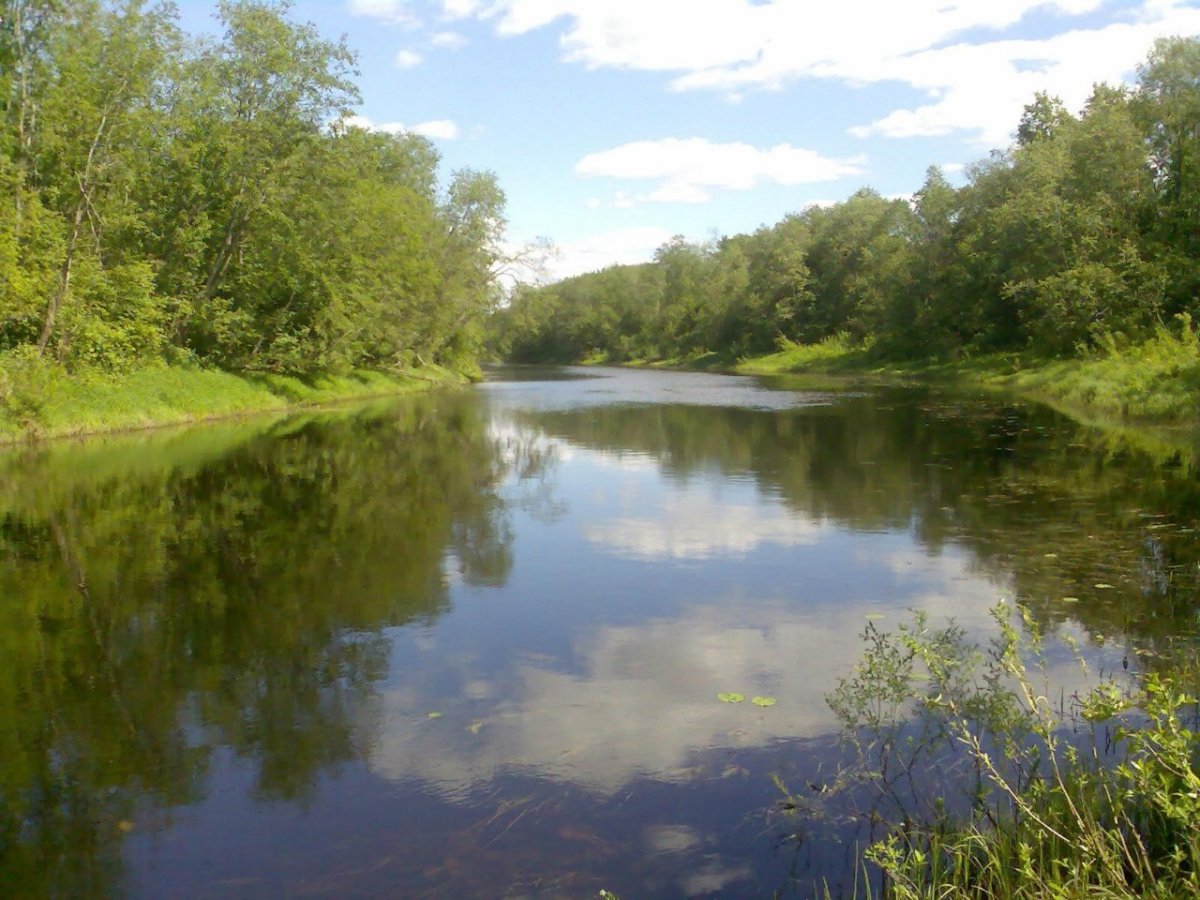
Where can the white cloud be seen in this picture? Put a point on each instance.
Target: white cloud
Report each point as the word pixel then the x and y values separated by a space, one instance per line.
pixel 396 12
pixel 436 129
pixel 590 254
pixel 688 170
pixel 461 9
pixel 407 59
pixel 979 87
pixel 448 40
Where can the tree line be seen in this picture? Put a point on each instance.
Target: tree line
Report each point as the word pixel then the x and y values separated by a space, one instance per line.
pixel 1084 231
pixel 205 200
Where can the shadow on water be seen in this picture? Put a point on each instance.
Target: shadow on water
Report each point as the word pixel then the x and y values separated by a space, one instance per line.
pixel 471 645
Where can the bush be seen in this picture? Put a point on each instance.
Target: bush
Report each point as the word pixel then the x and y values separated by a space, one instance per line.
pixel 26 382
pixel 1095 795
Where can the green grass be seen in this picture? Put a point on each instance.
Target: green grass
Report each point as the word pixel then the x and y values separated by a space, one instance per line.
pixel 1156 380
pixel 832 355
pixel 38 401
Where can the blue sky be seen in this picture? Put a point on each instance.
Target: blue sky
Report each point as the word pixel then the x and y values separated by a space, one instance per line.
pixel 614 124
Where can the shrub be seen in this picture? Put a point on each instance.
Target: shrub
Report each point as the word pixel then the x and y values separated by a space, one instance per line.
pixel 1093 795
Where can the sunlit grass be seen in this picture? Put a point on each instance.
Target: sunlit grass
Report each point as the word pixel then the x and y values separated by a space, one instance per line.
pixel 49 402
pixel 1156 379
pixel 832 354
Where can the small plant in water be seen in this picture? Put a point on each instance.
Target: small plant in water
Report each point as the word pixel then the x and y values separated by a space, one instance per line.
pixel 986 787
pixel 730 697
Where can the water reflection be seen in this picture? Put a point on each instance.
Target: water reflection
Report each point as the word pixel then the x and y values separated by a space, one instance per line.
pixel 223 593
pixel 472 644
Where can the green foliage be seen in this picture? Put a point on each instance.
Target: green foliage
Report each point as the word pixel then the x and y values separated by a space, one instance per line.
pixel 205 200
pixel 1096 797
pixel 1158 378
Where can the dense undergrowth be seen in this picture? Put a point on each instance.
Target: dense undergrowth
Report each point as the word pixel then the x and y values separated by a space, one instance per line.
pixel 987 780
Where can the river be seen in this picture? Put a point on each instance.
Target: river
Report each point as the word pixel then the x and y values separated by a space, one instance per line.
pixel 472 644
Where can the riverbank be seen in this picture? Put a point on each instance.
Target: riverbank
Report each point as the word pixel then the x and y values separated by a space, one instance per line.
pixel 1156 381
pixel 48 403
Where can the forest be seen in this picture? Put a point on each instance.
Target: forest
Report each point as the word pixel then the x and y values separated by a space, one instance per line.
pixel 1084 233
pixel 203 201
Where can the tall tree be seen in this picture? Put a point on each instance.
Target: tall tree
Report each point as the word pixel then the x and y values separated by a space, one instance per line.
pixel 106 61
pixel 1168 104
pixel 251 108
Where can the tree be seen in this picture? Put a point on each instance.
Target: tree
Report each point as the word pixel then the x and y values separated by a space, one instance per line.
pixel 249 110
pixel 1042 119
pixel 106 62
pixel 1168 106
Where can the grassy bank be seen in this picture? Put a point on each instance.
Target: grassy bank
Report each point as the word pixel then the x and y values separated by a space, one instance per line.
pixel 1155 380
pixel 41 401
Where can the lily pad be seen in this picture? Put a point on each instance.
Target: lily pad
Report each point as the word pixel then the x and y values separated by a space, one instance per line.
pixel 763 701
pixel 1070 599
pixel 730 697
pixel 433 715
pixel 1104 587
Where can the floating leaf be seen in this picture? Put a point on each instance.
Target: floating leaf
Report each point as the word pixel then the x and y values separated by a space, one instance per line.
pixel 474 727
pixel 1104 587
pixel 730 697
pixel 1070 599
pixel 433 715
pixel 763 701
pixel 1051 556
pixel 872 617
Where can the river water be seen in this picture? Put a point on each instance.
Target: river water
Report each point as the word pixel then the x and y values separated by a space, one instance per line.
pixel 471 644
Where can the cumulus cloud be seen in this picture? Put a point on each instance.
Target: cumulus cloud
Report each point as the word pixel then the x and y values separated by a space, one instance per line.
pixel 438 129
pixel 461 9
pixel 435 129
pixel 396 12
pixel 953 51
pixel 688 170
pixel 407 59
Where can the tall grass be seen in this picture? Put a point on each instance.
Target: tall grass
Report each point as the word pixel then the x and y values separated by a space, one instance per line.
pixel 1156 379
pixel 1091 796
pixel 837 352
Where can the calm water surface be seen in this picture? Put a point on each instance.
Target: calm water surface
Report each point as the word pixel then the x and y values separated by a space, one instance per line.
pixel 470 645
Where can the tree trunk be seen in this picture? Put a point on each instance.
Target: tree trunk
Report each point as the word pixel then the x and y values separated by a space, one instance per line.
pixel 85 198
pixel 64 282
